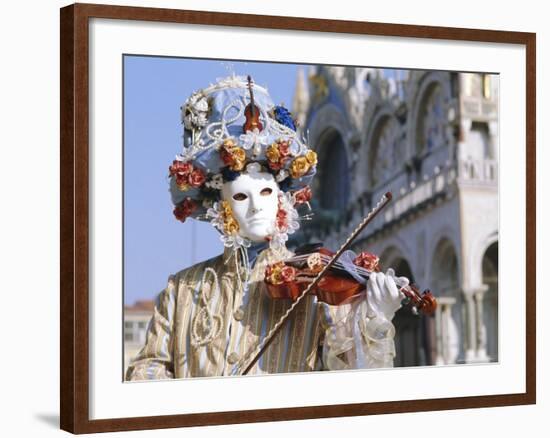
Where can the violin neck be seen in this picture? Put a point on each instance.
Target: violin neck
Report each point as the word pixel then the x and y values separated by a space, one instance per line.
pixel 338 266
pixel 252 106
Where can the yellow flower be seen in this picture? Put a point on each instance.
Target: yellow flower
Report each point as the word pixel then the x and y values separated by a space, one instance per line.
pixel 238 154
pixel 229 144
pixel 237 165
pixel 299 167
pixel 226 207
pixel 311 158
pixel 239 159
pixel 272 153
pixel 231 226
pixel 275 277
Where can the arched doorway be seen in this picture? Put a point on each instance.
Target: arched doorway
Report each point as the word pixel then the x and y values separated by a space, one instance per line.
pixel 334 178
pixel 490 301
pixel 411 342
pixel 449 324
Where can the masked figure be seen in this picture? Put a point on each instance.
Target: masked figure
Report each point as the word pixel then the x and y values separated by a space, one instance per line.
pixel 245 170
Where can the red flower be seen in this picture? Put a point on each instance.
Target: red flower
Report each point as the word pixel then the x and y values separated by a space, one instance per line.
pixel 196 178
pixel 181 168
pixel 368 261
pixel 281 219
pixel 226 157
pixel 288 273
pixel 275 165
pixel 284 149
pixel 185 209
pixel 302 196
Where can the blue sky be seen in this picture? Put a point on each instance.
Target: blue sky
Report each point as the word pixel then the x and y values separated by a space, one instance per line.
pixel 155 243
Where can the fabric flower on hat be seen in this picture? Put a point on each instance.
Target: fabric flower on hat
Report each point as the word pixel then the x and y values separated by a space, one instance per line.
pixel 278 154
pixel 194 112
pixel 185 209
pixel 186 175
pixel 232 156
pixel 284 117
pixel 216 182
pixel 254 140
pixel 302 196
pixel 301 165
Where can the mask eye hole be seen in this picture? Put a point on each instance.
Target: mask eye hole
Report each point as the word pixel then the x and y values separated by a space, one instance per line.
pixel 266 192
pixel 239 196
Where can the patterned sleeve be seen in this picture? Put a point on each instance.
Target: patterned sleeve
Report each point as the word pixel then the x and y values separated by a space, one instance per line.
pixel 351 340
pixel 154 360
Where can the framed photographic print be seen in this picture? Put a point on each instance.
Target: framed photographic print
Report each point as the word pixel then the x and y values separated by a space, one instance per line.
pixel 275 218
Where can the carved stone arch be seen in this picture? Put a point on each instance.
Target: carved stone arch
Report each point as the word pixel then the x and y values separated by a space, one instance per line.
pixel 489 305
pixel 420 88
pixel 435 237
pixel 451 312
pixel 384 156
pixel 328 116
pixel 396 248
pixel 445 278
pixel 476 257
pixel 375 108
pixel 412 343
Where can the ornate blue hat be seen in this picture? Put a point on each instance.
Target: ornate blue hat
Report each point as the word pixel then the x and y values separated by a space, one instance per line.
pixel 232 127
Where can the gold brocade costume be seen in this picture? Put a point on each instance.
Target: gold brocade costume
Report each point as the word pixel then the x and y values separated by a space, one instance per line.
pixel 245 316
pixel 316 337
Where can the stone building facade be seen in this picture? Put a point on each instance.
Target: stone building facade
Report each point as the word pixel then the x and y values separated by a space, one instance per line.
pixel 431 138
pixel 136 320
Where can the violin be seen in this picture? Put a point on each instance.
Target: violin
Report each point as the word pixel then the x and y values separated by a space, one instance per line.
pixel 331 290
pixel 252 112
pixel 289 279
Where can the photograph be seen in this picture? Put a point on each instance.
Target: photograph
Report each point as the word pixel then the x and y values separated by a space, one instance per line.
pixel 292 218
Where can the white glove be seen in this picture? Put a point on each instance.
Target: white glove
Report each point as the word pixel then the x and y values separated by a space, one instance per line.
pixel 383 295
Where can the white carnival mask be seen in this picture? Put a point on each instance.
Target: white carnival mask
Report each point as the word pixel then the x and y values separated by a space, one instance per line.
pixel 254 201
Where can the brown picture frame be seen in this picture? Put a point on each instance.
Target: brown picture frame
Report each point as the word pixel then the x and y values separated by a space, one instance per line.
pixel 74 186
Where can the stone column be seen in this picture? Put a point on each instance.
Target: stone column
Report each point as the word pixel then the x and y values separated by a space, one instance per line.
pixel 481 337
pixel 470 326
pixel 443 319
pixel 438 337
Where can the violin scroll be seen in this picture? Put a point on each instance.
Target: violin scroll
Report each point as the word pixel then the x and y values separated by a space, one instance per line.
pixel 424 302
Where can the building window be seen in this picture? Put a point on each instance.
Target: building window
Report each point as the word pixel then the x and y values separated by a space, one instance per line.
pixel 387 152
pixel 431 120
